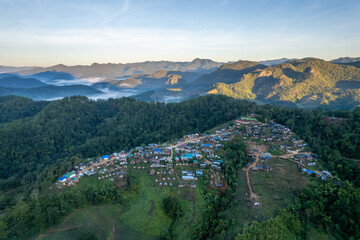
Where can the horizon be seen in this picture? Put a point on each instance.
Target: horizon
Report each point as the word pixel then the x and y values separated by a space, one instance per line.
pixel 224 62
pixel 43 33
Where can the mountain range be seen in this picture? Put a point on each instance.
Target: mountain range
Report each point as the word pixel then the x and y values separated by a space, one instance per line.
pixel 307 82
pixel 111 71
pixel 10 69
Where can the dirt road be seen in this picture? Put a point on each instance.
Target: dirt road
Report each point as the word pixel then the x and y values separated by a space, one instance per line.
pixel 260 149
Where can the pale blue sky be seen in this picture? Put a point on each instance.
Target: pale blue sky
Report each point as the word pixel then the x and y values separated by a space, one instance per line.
pixel 48 32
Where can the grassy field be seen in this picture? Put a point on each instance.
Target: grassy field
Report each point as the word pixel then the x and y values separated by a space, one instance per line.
pixel 276 189
pixel 144 212
pixel 146 215
pixel 103 221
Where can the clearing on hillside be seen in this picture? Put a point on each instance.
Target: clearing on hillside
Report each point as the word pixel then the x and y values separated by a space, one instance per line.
pixel 275 189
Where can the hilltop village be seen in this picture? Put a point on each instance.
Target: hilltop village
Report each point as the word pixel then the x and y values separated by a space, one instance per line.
pixel 183 162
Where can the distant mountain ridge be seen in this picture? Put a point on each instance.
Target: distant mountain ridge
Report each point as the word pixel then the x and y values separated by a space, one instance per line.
pixel 11 69
pixel 49 76
pixel 50 92
pixel 346 60
pixel 18 82
pixel 276 61
pixel 111 71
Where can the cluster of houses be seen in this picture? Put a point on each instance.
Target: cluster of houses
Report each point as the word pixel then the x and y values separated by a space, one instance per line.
pixel 271 132
pixel 180 165
pixel 184 161
pixel 306 163
pixel 281 138
pixel 104 167
pixel 68 179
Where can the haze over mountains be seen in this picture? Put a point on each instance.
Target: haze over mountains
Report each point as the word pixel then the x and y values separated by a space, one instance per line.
pixel 111 71
pixel 308 82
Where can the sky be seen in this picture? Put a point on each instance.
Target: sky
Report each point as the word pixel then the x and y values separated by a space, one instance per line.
pixel 81 32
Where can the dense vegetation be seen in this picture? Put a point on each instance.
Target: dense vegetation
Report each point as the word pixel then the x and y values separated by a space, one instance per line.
pixel 287 225
pixel 13 108
pixel 307 82
pixel 41 140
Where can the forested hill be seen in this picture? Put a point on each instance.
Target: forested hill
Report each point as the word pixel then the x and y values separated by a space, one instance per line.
pixel 77 126
pixel 306 82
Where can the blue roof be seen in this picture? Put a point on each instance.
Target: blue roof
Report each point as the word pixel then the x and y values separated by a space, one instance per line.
pixel 187 177
pixel 157 150
pixel 105 156
pixel 309 171
pixel 207 145
pixel 62 179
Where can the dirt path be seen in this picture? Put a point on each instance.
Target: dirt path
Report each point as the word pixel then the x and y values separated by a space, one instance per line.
pixel 215 178
pixel 253 196
pixel 260 149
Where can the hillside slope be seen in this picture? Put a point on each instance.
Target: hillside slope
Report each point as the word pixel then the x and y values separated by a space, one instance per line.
pixel 50 92
pixel 228 73
pixel 307 82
